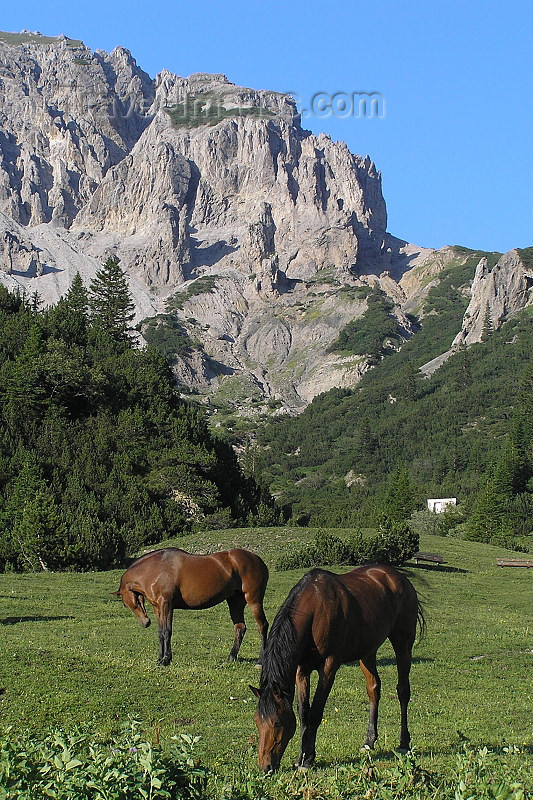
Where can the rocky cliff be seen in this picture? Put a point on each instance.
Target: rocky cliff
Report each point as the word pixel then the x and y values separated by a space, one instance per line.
pixel 496 295
pixel 236 227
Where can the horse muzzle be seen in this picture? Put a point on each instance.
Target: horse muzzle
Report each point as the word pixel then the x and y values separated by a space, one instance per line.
pixel 145 623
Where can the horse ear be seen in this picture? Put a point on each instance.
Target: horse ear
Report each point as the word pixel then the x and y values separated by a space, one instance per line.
pixel 257 692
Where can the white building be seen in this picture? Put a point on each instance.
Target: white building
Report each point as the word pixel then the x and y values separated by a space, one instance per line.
pixel 441 504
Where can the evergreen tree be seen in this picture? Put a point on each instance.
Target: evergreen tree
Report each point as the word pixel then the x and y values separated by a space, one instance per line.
pixel 77 296
pixel 110 301
pixel 69 319
pixel 488 519
pixel 400 499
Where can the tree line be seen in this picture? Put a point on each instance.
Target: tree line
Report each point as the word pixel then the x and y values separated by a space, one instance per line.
pixel 98 454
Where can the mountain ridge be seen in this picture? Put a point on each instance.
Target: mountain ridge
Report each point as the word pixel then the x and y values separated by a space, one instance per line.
pixel 192 179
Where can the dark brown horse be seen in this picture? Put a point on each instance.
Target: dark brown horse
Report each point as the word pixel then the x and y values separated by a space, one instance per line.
pixel 171 578
pixel 328 620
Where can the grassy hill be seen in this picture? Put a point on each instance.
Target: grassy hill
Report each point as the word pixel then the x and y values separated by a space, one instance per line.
pixel 72 655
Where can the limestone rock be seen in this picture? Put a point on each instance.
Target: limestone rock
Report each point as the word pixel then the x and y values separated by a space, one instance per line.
pixel 497 294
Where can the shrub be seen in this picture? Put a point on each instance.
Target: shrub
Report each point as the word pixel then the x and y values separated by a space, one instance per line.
pixel 394 544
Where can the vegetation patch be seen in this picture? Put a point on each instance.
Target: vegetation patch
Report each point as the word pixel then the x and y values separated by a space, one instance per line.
pixel 207 109
pixel 526 256
pixel 168 335
pixel 204 285
pixel 394 544
pixel 25 37
pixel 373 333
pixel 78 766
pixel 95 444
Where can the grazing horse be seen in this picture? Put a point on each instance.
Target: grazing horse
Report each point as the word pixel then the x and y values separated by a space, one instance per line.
pixel 173 579
pixel 328 620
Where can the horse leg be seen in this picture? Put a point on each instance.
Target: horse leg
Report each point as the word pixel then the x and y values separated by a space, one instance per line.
pixel 164 619
pixel 262 624
pixel 303 687
pixel 326 676
pixel 403 649
pixel 236 605
pixel 373 689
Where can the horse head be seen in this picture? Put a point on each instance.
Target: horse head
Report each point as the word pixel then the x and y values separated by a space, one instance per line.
pixel 135 602
pixel 276 724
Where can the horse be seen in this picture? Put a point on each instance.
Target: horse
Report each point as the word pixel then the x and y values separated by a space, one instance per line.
pixel 328 620
pixel 171 578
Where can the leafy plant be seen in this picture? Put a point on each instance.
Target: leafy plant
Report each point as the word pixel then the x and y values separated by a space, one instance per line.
pixel 73 766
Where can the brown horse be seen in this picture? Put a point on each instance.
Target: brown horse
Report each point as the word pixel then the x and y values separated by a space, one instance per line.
pixel 328 620
pixel 171 578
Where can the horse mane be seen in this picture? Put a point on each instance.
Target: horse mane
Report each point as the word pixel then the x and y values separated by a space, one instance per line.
pixel 281 653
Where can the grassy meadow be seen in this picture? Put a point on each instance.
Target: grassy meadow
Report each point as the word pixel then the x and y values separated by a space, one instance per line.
pixel 71 654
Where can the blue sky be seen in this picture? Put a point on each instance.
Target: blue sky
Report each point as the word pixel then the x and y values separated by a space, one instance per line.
pixel 455 142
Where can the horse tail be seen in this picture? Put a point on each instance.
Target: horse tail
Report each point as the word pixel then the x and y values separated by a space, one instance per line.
pixel 421 619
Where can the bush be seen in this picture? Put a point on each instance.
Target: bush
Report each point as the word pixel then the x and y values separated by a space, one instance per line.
pixel 394 544
pixel 72 766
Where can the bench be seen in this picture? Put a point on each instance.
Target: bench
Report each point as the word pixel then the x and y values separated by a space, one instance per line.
pixel 514 562
pixel 432 558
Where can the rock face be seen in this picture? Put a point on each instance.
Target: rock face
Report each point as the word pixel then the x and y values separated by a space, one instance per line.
pixel 249 233
pixel 497 294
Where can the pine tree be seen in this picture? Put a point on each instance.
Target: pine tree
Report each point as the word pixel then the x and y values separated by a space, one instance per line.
pixel 110 301
pixel 77 296
pixel 70 317
pixel 400 499
pixel 489 514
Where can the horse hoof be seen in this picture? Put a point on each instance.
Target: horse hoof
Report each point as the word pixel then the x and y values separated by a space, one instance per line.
pixel 403 750
pixel 366 747
pixel 307 765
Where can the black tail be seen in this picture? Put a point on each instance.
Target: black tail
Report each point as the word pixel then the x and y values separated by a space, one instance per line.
pixel 421 619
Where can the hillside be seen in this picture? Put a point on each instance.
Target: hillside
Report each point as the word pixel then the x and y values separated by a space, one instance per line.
pixel 449 426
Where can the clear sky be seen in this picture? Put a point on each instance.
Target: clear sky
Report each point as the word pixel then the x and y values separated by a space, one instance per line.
pixel 454 78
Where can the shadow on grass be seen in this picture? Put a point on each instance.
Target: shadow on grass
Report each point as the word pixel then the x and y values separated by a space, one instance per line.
pixel 391 662
pixel 34 618
pixel 437 568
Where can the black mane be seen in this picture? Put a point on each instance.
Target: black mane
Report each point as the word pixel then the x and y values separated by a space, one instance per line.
pixel 281 653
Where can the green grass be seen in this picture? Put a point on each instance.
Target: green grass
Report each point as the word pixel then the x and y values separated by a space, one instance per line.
pixel 71 654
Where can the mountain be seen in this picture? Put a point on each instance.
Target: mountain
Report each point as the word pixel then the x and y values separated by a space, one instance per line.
pixel 250 244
